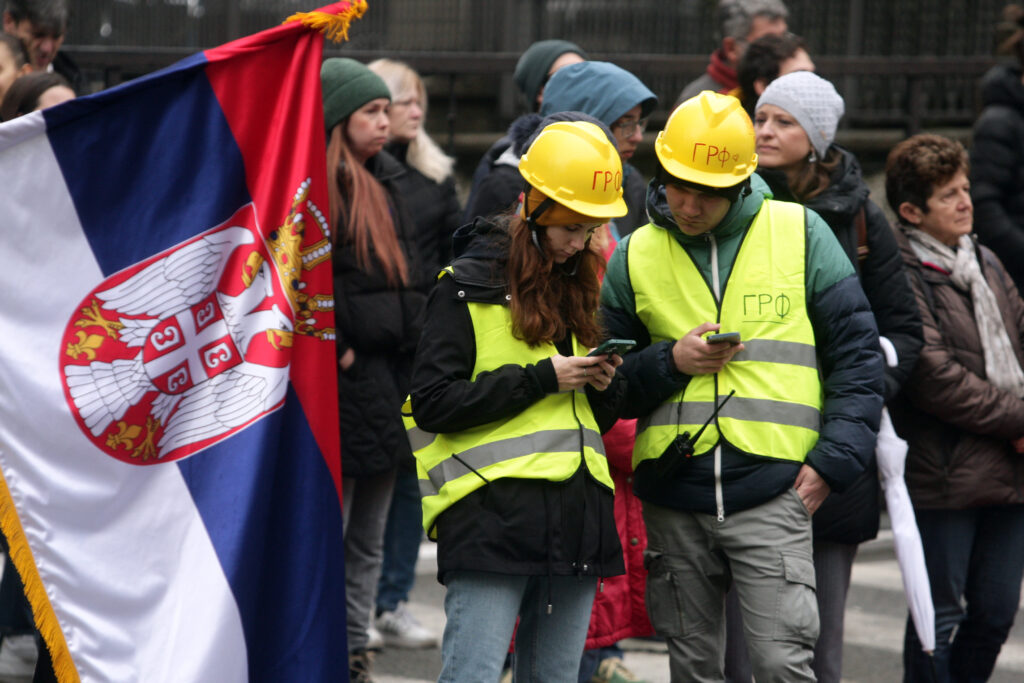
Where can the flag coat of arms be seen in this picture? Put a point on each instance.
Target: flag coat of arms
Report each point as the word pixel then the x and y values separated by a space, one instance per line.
pixel 168 400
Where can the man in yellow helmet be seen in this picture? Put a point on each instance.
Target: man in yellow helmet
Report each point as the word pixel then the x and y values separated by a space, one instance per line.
pixel 791 400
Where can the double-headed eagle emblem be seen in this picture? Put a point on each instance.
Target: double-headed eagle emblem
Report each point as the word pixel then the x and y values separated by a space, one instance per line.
pixel 193 345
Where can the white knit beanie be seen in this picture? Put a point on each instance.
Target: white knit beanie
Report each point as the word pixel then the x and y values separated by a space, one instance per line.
pixel 812 101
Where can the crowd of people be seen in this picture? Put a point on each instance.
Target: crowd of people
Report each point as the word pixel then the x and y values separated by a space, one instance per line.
pixel 629 406
pixel 34 74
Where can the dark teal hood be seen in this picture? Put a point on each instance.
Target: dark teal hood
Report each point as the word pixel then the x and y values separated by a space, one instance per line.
pixel 601 89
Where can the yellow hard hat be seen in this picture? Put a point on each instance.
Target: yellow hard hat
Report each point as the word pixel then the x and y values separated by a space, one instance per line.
pixel 708 140
pixel 575 164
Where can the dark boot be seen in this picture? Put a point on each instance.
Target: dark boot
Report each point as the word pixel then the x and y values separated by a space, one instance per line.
pixel 360 664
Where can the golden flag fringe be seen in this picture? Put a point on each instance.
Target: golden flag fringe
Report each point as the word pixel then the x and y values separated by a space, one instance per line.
pixel 333 26
pixel 42 610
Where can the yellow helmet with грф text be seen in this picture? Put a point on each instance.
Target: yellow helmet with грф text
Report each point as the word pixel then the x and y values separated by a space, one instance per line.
pixel 575 164
pixel 708 140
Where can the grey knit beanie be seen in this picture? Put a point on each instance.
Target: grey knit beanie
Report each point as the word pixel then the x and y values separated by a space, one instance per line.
pixel 812 101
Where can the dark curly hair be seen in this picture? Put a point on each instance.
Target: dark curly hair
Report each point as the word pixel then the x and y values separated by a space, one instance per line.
pixel 763 58
pixel 916 166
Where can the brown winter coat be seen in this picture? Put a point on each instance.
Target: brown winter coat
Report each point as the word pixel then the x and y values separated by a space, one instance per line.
pixel 958 425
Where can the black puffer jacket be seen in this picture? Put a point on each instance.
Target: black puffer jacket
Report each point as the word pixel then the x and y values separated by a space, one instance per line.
pixel 434 209
pixel 381 324
pixel 496 181
pixel 852 516
pixel 997 168
pixel 510 526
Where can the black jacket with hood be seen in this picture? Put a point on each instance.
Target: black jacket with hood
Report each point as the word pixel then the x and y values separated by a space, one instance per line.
pixel 997 168
pixel 497 182
pixel 509 526
pixel 852 516
pixel 433 208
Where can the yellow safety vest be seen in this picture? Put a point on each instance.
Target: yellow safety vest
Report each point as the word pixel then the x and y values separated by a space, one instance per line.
pixel 544 441
pixel 776 410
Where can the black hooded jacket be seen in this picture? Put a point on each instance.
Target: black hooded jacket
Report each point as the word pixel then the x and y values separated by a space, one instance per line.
pixel 509 526
pixel 497 182
pixel 997 168
pixel 852 516
pixel 433 208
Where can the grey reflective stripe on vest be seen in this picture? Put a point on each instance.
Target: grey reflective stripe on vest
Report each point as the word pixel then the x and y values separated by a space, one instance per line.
pixel 749 409
pixel 549 441
pixel 670 414
pixel 776 351
pixel 419 438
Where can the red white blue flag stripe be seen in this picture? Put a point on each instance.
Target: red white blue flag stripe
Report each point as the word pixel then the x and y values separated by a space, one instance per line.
pixel 168 412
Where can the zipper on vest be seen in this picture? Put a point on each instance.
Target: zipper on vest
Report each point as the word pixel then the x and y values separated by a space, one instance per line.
pixel 716 287
pixel 719 497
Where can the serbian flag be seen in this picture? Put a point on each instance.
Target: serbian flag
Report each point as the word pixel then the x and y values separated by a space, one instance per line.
pixel 169 452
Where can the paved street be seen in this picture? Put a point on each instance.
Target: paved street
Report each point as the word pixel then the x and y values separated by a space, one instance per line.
pixel 875 615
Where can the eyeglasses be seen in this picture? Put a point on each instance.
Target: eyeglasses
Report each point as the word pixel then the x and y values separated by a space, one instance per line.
pixel 629 126
pixel 408 102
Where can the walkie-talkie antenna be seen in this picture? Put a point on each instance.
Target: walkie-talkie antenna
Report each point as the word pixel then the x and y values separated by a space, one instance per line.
pixel 683 445
pixel 714 414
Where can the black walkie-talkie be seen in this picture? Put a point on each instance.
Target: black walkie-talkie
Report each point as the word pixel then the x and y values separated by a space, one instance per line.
pixel 682 446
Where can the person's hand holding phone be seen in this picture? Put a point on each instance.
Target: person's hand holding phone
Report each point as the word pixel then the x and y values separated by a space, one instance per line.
pixel 575 372
pixel 693 355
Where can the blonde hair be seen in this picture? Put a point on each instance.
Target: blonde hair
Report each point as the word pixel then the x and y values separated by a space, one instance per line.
pixel 424 155
pixel 360 210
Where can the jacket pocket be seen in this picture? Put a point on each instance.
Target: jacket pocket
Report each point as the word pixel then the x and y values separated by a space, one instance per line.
pixel 662 596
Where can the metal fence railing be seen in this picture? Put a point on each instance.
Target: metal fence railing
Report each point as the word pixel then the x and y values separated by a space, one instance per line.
pixel 905 63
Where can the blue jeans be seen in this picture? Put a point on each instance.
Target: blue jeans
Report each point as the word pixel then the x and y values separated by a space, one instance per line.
pixel 978 555
pixel 402 538
pixel 481 610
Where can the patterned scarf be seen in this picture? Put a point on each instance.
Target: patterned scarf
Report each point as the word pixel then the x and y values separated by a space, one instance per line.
pixel 1002 368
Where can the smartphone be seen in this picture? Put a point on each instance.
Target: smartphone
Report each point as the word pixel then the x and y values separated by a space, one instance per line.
pixel 609 346
pixel 728 337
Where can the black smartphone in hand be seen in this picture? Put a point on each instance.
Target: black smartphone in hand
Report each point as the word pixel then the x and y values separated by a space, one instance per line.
pixel 728 337
pixel 610 346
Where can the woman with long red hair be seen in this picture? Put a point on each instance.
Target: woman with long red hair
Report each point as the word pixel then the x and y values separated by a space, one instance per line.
pixel 507 414
pixel 380 291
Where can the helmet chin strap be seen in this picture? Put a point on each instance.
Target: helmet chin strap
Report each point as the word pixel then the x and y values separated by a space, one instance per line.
pixel 531 222
pixel 531 219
